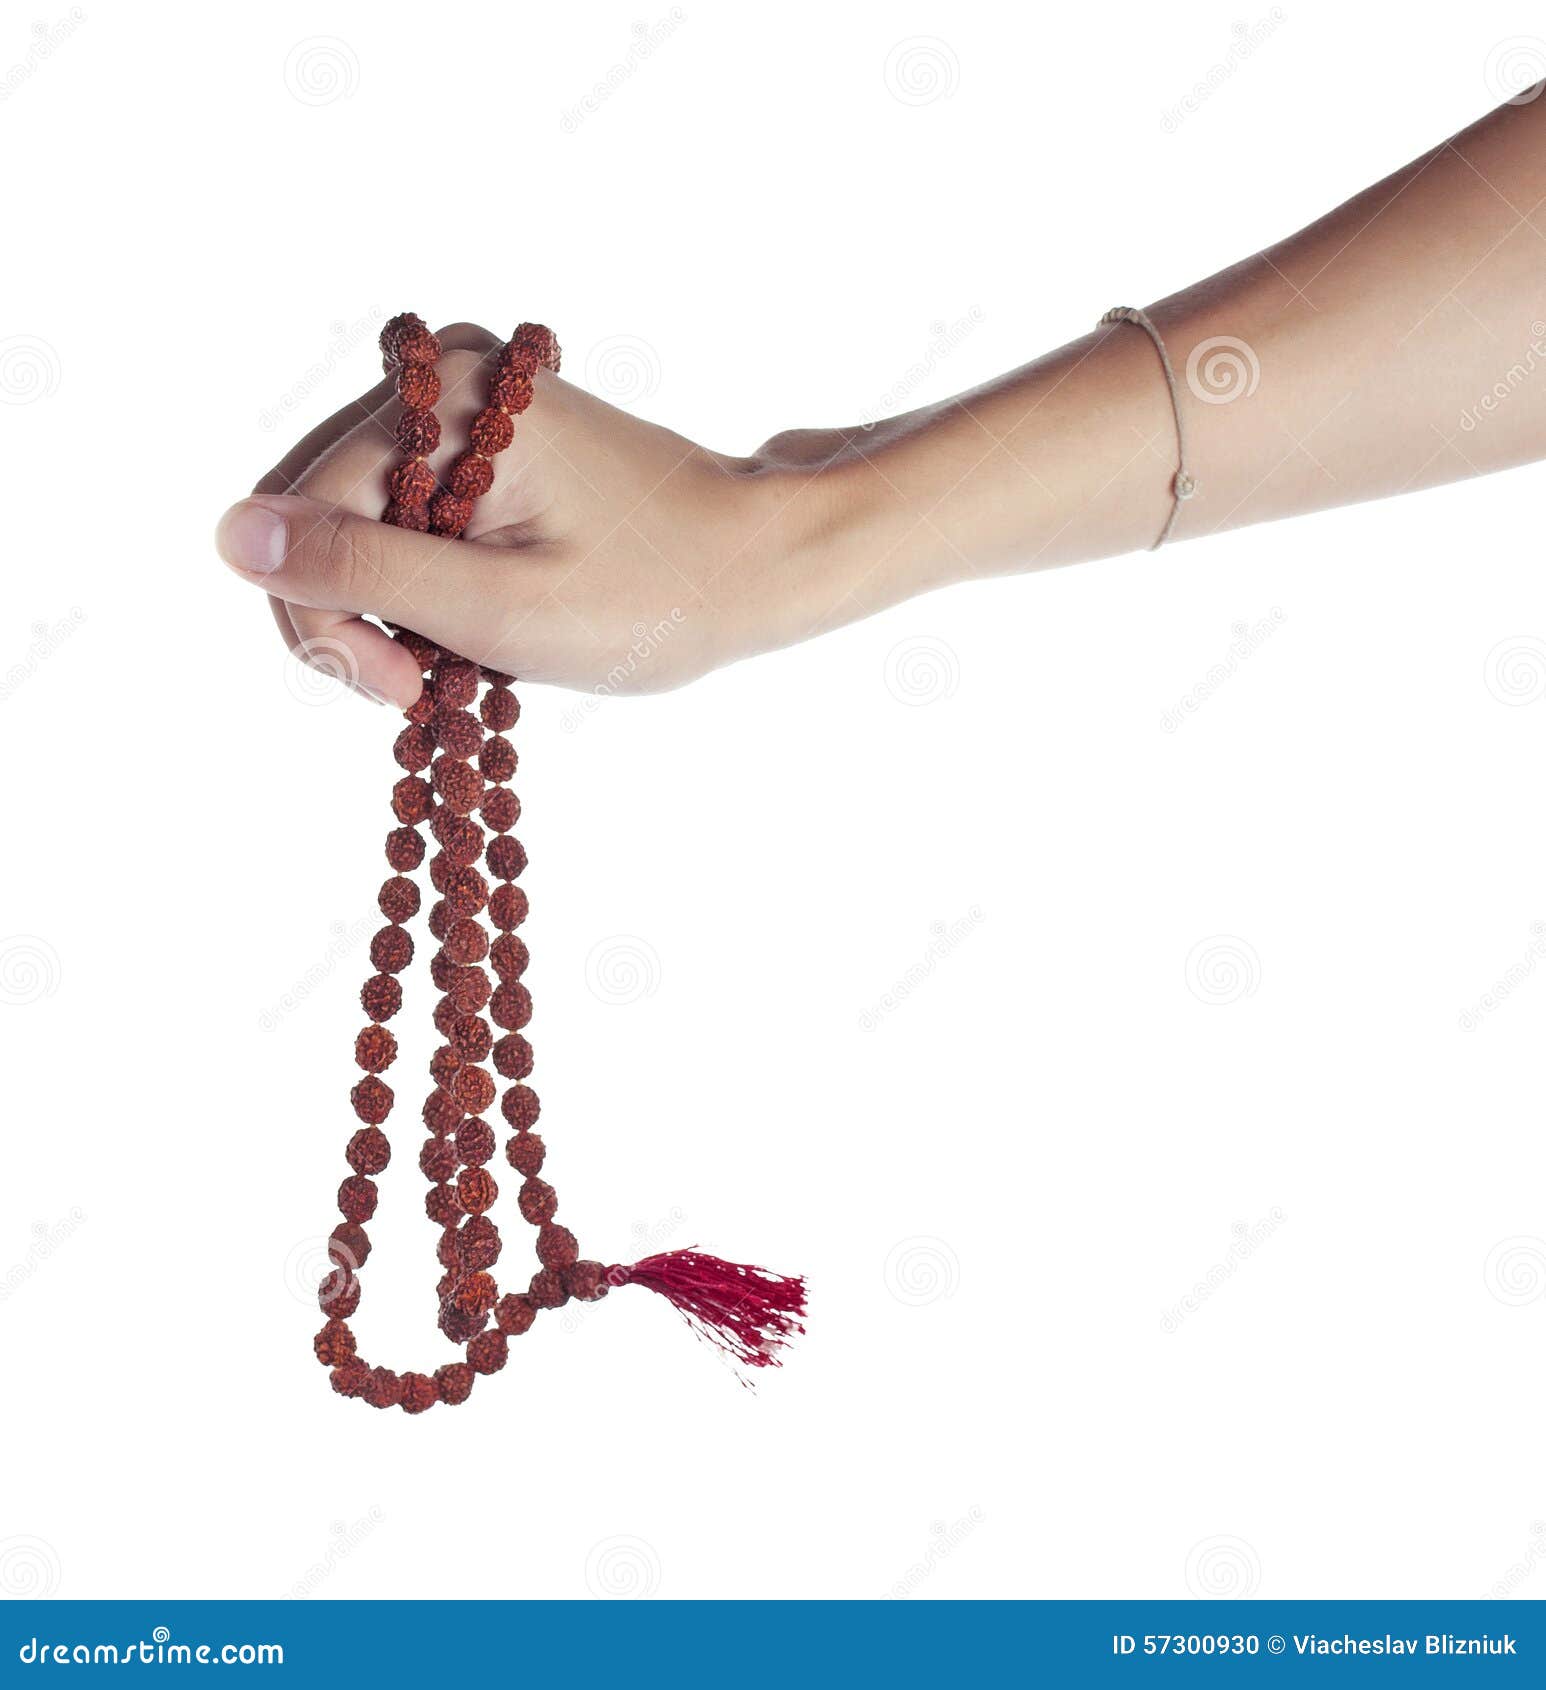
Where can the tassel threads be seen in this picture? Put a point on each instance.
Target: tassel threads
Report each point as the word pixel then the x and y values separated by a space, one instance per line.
pixel 746 1311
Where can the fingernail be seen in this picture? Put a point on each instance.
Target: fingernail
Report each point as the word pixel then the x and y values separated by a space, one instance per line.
pixel 251 537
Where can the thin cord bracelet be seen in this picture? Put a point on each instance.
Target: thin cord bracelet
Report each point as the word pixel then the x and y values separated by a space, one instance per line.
pixel 1184 484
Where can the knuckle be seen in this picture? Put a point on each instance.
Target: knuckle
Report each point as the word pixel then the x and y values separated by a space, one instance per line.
pixel 347 557
pixel 468 337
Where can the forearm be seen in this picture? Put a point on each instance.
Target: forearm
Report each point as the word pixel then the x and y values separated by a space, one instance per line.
pixel 1357 362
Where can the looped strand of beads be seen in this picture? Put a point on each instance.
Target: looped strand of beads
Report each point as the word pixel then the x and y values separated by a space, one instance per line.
pixel 457 765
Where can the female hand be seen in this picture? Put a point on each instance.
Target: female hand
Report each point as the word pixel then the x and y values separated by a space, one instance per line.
pixel 610 553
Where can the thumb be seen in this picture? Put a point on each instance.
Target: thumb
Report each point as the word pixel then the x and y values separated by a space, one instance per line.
pixel 321 556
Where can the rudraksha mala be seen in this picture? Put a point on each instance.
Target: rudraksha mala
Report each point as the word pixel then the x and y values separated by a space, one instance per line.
pixel 457 766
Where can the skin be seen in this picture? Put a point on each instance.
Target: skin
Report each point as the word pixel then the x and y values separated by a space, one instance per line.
pixel 1372 333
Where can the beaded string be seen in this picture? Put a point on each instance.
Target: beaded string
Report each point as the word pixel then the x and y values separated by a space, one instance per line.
pixel 747 1311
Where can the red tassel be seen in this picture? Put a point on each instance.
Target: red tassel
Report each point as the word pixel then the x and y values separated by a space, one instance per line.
pixel 746 1311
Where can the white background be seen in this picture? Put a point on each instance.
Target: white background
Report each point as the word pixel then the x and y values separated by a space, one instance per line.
pixel 1000 1167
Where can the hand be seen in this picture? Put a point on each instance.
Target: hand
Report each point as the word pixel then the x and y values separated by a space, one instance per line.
pixel 609 554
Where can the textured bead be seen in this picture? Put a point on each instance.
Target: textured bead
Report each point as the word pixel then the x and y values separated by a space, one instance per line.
pixel 442 1205
pixel 457 732
pixel 413 482
pixel 461 839
pixel 440 919
pixel 538 1201
pixel 508 908
pixel 513 1056
pixel 460 786
pixel 404 847
pixel 501 808
pixel 538 343
pixel 438 1159
pixel 392 332
pixel 471 989
pixel 466 891
pixel 419 1393
pixel 491 431
pixel 470 1037
pixel 514 1315
pixel 398 899
pixel 557 1247
pixel 357 1197
pixel 384 1389
pixel 506 858
pixel 497 759
pixel 333 1344
pixel 445 1065
pixel 424 652
pixel 488 1352
pixel 456 682
pixel 418 432
pixel 477 1190
pixel 500 709
pixel 368 1151
pixel 458 1325
pixel 586 1281
pixel 414 747
pixel 420 710
pixel 475 1143
pixel 391 950
pixel 546 1290
pixel 448 514
pixel 416 345
pixel 348 1246
pixel 381 997
pixel 413 517
pixel 509 956
pixel 525 1152
pixel 372 1100
pixel 511 389
pixel 454 1382
pixel 520 1106
pixel 477 1294
pixel 338 1296
pixel 471 475
pixel 374 1049
pixel 466 942
pixel 480 1244
pixel 510 1005
pixel 441 1112
pixel 474 1089
pixel 412 800
pixel 351 1377
pixel 418 386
